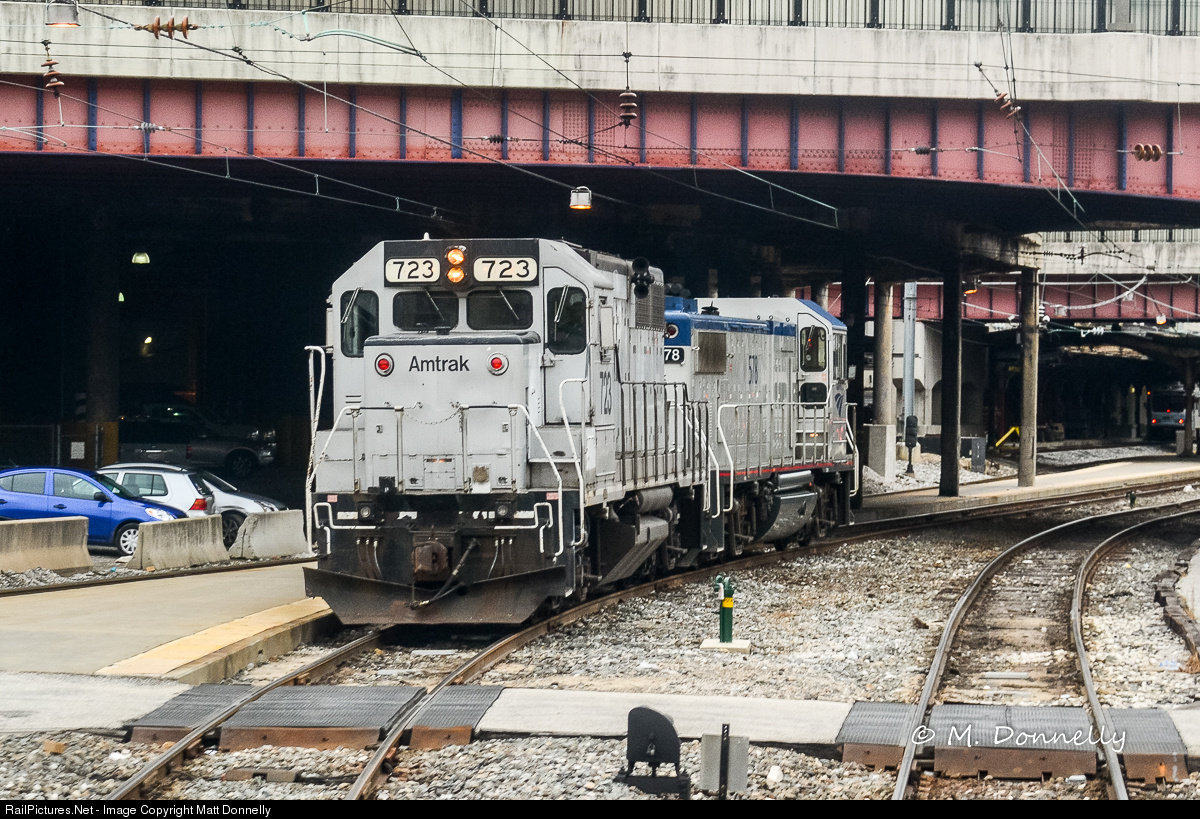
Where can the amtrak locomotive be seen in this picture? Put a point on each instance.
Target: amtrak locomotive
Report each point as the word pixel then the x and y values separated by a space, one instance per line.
pixel 518 422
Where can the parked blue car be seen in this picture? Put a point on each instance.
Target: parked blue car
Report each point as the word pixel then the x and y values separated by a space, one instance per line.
pixel 113 512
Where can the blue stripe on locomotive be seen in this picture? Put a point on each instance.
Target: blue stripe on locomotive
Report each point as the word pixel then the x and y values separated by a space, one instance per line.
pixel 685 315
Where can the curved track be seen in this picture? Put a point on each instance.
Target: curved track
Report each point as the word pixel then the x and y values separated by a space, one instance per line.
pixel 1029 599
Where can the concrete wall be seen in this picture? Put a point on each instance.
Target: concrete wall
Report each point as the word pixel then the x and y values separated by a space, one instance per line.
pixel 271 534
pixel 179 544
pixel 713 59
pixel 59 544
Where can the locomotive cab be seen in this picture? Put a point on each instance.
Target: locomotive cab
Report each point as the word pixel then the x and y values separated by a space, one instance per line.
pixel 509 431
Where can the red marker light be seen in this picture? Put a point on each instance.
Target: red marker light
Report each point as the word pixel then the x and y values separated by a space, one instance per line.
pixel 497 364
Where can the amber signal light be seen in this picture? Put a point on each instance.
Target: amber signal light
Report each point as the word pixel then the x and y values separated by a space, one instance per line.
pixel 456 256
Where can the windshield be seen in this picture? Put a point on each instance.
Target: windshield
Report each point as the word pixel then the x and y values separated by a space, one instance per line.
pixel 425 310
pixel 114 487
pixel 216 482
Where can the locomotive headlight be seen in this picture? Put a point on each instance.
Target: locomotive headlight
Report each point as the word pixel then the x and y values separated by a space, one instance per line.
pixel 497 364
pixel 455 275
pixel 504 510
pixel 456 256
pixel 366 511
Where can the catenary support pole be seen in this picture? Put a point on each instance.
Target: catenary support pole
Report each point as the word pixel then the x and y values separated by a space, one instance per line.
pixel 951 376
pixel 1027 458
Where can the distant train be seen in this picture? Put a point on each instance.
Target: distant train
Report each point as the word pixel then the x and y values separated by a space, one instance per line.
pixel 519 422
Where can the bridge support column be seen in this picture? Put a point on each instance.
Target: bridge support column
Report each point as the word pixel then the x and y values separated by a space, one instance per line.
pixel 881 447
pixel 821 295
pixel 1189 385
pixel 885 389
pixel 951 376
pixel 1027 457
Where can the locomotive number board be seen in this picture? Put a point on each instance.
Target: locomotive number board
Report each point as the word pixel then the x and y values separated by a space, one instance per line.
pixel 406 271
pixel 500 270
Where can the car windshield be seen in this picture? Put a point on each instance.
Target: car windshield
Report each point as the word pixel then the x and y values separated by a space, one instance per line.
pixel 114 487
pixel 224 486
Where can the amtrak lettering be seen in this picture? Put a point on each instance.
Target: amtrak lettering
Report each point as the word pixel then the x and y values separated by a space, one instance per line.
pixel 438 365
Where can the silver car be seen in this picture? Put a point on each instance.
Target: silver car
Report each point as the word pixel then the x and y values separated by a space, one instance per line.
pixel 226 500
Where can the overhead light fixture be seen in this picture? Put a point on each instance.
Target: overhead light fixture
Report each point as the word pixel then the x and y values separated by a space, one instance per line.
pixel 1160 320
pixel 141 257
pixel 971 285
pixel 581 198
pixel 62 13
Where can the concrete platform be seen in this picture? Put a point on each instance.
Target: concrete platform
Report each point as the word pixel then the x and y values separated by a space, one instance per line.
pixel 1117 475
pixel 81 631
pixel 808 724
pixel 58 702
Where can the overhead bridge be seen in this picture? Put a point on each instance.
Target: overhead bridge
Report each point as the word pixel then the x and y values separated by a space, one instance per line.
pixel 854 101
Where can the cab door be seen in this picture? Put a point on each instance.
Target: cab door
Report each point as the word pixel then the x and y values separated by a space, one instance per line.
pixel 567 323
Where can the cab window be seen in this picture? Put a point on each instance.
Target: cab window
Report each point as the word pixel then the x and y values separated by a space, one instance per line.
pixel 360 320
pixel 566 320
pixel 424 310
pixel 500 310
pixel 812 349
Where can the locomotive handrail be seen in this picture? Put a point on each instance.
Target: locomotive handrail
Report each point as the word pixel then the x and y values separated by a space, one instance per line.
pixel 308 486
pixel 557 476
pixel 316 392
pixel 562 406
pixel 728 454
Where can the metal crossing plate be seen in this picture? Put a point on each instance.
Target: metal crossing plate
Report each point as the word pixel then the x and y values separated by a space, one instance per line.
pixel 176 718
pixel 1011 742
pixel 319 716
pixel 1149 744
pixel 874 733
pixel 457 705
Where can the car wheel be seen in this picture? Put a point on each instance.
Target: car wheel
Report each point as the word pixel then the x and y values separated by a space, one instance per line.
pixel 126 539
pixel 231 522
pixel 241 464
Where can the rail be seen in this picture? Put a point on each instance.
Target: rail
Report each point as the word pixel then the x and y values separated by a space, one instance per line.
pixel 1170 17
pixel 941 655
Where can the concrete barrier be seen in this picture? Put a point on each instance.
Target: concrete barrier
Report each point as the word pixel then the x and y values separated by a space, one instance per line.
pixel 271 534
pixel 178 544
pixel 58 544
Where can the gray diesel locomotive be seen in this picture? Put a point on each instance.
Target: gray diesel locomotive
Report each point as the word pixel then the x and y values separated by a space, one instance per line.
pixel 517 422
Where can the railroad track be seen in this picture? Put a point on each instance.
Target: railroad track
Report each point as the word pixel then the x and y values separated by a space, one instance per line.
pixel 376 770
pixel 1028 602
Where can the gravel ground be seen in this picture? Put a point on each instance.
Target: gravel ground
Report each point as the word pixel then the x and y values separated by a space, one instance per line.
pixel 1004 789
pixel 1082 457
pixel 585 768
pixel 927 473
pixel 855 623
pixel 1187 789
pixel 89 766
pixel 1136 660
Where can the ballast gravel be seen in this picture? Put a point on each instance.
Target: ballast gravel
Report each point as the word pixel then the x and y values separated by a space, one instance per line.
pixel 857 622
pixel 66 765
pixel 1136 661
pixel 587 768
